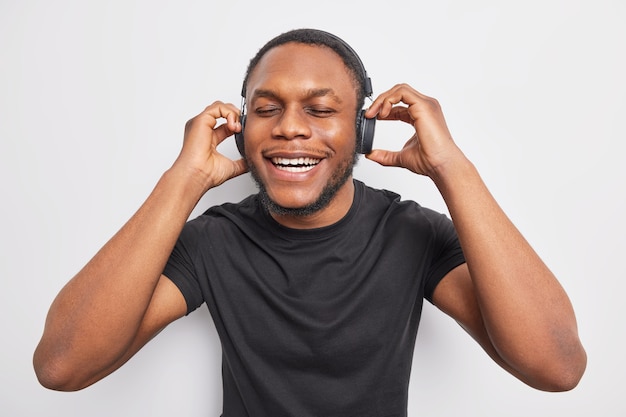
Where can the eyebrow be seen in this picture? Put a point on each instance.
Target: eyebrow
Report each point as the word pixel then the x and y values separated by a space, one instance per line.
pixel 310 93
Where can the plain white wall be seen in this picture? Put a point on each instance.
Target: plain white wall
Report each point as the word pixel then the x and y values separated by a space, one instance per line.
pixel 93 102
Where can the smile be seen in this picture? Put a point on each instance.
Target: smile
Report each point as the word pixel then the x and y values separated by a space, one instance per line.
pixel 295 164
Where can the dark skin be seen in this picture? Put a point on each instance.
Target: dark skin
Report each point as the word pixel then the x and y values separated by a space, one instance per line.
pixel 301 104
pixel 309 118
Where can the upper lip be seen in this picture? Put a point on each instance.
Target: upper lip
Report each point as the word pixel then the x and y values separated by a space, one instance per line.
pixel 293 154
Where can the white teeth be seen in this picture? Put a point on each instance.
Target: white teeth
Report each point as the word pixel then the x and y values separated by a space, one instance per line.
pixel 296 169
pixel 295 164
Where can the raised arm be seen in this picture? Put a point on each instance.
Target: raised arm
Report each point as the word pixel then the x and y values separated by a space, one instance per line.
pixel 120 299
pixel 505 296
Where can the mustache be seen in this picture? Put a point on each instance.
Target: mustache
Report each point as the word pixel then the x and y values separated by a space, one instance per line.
pixel 291 148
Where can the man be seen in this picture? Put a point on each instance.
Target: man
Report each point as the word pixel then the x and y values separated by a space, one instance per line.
pixel 316 283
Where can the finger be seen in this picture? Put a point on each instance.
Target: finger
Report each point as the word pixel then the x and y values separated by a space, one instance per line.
pixel 204 124
pixel 386 100
pixel 384 158
pixel 385 104
pixel 218 110
pixel 222 132
pixel 398 113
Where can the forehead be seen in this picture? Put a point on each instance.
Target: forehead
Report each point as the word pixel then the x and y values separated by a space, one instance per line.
pixel 301 66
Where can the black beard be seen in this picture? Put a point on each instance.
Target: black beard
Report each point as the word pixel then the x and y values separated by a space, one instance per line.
pixel 337 180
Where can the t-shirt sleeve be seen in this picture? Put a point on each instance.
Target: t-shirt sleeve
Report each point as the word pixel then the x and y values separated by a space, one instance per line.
pixel 180 268
pixel 447 253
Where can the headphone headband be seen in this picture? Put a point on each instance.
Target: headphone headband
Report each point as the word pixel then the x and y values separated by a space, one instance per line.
pixel 367 81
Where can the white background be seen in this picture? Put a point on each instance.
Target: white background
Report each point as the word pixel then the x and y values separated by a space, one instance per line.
pixel 94 97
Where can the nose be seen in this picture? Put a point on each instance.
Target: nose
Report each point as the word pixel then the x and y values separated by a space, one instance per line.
pixel 292 124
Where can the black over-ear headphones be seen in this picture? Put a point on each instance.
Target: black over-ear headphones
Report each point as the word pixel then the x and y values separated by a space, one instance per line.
pixel 364 126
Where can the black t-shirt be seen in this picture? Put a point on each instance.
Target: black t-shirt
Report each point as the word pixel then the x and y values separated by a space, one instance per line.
pixel 318 322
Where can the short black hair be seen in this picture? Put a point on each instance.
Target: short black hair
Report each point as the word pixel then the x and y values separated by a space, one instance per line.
pixel 320 38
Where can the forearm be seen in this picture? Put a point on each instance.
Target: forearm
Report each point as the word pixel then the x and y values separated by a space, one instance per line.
pixel 96 316
pixel 506 296
pixel 526 313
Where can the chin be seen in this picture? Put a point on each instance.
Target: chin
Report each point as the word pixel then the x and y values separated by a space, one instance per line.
pixel 307 205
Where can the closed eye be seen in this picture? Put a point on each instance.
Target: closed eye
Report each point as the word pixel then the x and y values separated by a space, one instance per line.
pixel 267 111
pixel 320 111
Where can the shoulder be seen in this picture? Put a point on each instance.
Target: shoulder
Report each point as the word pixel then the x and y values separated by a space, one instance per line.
pixel 225 216
pixel 395 206
pixel 228 211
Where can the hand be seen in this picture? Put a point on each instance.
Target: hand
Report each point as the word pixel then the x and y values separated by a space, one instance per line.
pixel 431 147
pixel 199 155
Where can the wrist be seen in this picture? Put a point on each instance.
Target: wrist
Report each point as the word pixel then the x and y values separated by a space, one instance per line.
pixel 188 184
pixel 454 174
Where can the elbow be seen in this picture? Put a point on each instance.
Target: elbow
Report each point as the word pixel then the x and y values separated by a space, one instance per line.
pixel 49 378
pixel 559 383
pixel 569 377
pixel 55 374
pixel 562 375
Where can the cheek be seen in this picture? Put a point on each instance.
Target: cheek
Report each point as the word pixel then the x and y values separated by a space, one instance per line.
pixel 339 137
pixel 253 139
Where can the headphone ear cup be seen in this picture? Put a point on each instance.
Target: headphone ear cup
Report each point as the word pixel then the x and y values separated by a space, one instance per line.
pixel 365 133
pixel 239 137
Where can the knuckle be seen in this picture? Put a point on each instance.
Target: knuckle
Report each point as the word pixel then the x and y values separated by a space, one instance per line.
pixel 434 103
pixel 189 124
pixel 208 109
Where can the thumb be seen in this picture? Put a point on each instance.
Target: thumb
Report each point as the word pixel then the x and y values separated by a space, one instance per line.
pixel 384 158
pixel 240 167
